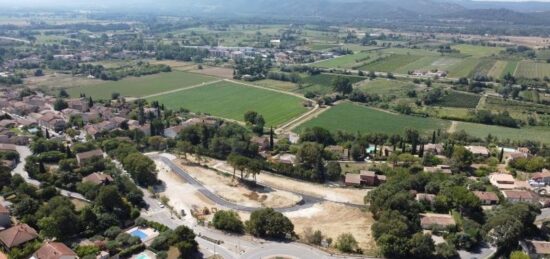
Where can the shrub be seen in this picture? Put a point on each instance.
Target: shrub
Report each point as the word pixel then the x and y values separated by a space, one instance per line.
pixel 228 221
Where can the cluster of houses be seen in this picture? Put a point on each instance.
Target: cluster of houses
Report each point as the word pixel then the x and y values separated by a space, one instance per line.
pixel 18 235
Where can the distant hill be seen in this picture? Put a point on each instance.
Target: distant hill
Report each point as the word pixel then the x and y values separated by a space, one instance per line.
pixel 526 6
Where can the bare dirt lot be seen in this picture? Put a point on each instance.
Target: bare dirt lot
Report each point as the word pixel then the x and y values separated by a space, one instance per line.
pixel 231 190
pixel 336 194
pixel 333 220
pixel 215 71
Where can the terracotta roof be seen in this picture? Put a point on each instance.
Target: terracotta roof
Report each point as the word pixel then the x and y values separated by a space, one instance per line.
pixel 367 173
pixel 518 194
pixel 425 197
pixel 353 179
pixel 3 256
pixel 8 147
pixel 90 154
pixel 53 250
pixel 478 150
pixel 540 247
pixel 17 235
pixel 486 196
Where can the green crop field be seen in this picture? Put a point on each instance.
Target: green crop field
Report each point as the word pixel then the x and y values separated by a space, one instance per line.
pixel 350 117
pixel 477 51
pixel 484 67
pixel 390 64
pixel 498 69
pixel 141 86
pixel 231 101
pixel 510 68
pixel 322 46
pixel 533 69
pixel 527 133
pixel 387 87
pixel 322 83
pixel 463 68
pixel 459 100
pixel 347 61
pixel 430 63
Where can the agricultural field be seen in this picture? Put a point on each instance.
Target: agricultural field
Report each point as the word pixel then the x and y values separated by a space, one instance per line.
pixel 477 51
pixel 276 84
pixel 350 117
pixel 390 64
pixel 448 112
pixel 430 63
pixel 498 69
pixel 541 134
pixel 386 87
pixel 322 83
pixel 459 100
pixel 347 61
pixel 463 68
pixel 484 67
pixel 141 86
pixel 321 46
pixel 231 100
pixel 531 69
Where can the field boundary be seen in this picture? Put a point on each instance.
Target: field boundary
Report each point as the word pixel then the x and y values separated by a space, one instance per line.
pixel 269 89
pixel 180 89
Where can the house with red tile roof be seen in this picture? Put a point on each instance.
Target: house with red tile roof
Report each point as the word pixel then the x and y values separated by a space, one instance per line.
pixel 54 250
pixel 17 235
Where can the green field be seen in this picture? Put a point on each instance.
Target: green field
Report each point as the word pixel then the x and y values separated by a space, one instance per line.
pixel 498 69
pixel 387 87
pixel 477 51
pixel 347 61
pixel 350 117
pixel 459 100
pixel 231 101
pixel 322 46
pixel 533 69
pixel 391 63
pixel 430 63
pixel 527 133
pixel 463 68
pixel 322 83
pixel 141 86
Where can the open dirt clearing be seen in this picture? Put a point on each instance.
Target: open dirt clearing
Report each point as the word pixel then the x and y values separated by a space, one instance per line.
pixel 336 194
pixel 181 194
pixel 232 191
pixel 336 219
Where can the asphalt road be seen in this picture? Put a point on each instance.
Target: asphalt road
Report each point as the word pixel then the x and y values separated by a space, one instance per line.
pixel 307 201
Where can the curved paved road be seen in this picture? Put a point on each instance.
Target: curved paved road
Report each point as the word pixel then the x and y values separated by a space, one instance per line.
pixel 307 201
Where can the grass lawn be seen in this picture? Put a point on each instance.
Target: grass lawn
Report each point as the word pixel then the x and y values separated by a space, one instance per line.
pixel 532 69
pixel 459 100
pixel 477 51
pixel 350 117
pixel 141 86
pixel 231 101
pixel 528 133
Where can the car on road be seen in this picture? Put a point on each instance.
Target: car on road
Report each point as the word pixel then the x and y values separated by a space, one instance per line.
pixel 536 184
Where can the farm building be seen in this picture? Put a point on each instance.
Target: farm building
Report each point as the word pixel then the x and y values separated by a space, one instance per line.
pixel 536 249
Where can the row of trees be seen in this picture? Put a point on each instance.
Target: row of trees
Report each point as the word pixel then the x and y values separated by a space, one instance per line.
pixel 266 223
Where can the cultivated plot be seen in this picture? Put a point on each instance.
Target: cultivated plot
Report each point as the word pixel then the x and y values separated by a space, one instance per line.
pixel 142 86
pixel 352 118
pixel 232 101
pixel 531 69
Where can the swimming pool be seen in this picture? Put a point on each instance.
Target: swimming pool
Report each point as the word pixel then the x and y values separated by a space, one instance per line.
pixel 141 235
pixel 142 256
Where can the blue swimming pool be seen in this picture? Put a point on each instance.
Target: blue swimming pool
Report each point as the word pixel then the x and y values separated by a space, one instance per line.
pixel 139 234
pixel 142 256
